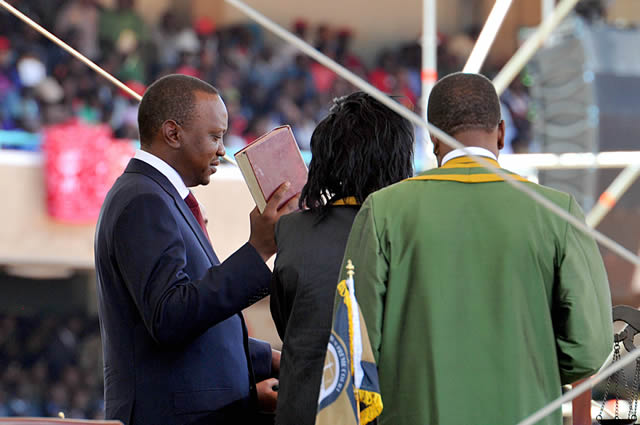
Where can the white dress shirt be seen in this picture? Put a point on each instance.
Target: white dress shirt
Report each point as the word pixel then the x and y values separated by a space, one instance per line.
pixel 167 170
pixel 473 150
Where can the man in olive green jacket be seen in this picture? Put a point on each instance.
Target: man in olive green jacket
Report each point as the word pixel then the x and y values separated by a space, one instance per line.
pixel 479 302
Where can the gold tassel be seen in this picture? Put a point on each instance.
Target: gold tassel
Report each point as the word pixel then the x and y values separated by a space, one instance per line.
pixel 373 401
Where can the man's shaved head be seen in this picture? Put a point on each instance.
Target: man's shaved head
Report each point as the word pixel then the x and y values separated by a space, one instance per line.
pixel 462 102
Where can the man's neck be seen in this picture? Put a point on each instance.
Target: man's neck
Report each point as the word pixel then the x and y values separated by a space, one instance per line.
pixel 150 157
pixel 475 139
pixel 480 139
pixel 468 150
pixel 158 153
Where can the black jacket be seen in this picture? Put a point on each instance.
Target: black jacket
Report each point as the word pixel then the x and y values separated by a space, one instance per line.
pixel 302 292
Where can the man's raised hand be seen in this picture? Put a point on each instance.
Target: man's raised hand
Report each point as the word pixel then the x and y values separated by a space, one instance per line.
pixel 263 225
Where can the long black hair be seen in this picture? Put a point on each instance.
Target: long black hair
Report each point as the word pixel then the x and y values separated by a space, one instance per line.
pixel 360 147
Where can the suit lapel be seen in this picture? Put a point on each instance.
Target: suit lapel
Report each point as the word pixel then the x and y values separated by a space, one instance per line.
pixel 141 167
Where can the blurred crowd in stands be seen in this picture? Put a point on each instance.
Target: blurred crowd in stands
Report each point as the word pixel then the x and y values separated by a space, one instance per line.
pixel 51 364
pixel 263 83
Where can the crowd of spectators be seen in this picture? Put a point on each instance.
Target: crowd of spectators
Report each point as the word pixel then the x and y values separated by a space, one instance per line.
pixel 264 84
pixel 51 364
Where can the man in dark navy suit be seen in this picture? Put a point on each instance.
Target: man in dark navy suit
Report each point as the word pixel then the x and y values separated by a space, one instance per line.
pixel 176 349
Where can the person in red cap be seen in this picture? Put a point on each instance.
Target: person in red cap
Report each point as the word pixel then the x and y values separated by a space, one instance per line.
pixel 344 55
pixel 204 26
pixel 5 44
pixel 300 28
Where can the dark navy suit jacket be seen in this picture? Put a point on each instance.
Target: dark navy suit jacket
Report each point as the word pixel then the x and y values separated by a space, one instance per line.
pixel 175 345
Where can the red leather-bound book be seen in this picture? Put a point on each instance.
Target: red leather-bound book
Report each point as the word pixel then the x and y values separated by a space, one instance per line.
pixel 269 161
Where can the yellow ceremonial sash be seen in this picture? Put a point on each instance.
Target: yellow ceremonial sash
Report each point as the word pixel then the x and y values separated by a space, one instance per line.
pixel 349 200
pixel 457 166
pixel 468 162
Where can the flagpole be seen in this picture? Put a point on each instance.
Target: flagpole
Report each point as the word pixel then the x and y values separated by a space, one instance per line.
pixel 357 339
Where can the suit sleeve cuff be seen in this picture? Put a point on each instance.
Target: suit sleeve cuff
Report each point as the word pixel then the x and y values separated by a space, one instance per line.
pixel 260 352
pixel 248 267
pixel 249 255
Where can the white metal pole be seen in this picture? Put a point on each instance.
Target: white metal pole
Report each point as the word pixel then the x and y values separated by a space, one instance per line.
pixel 429 50
pixel 487 36
pixel 429 73
pixel 531 46
pixel 547 8
pixel 614 192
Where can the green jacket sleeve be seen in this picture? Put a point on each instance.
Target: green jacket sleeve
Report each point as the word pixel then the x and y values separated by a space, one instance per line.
pixel 581 306
pixel 364 249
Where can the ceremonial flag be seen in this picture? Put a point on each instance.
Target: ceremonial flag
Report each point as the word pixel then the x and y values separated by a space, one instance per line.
pixel 350 391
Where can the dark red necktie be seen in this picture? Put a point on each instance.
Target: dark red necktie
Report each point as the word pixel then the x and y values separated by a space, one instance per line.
pixel 193 205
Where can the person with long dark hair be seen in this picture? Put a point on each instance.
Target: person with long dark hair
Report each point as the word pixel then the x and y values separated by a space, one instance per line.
pixel 360 147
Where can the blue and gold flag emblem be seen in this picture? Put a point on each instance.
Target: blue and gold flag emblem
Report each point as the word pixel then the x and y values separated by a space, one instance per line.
pixel 350 391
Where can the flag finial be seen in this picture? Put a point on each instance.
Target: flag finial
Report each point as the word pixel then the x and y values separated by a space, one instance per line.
pixel 350 269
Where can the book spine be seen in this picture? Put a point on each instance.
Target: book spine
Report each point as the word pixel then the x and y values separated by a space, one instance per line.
pixel 252 183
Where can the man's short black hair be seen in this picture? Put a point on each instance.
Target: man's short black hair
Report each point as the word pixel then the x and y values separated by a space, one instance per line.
pixel 461 102
pixel 170 98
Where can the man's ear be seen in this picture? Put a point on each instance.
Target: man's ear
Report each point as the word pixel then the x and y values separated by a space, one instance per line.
pixel 436 145
pixel 170 133
pixel 501 135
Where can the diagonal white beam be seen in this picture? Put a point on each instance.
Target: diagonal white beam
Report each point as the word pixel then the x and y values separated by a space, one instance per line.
pixel 487 36
pixel 579 389
pixel 531 46
pixel 69 49
pixel 614 192
pixel 546 8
